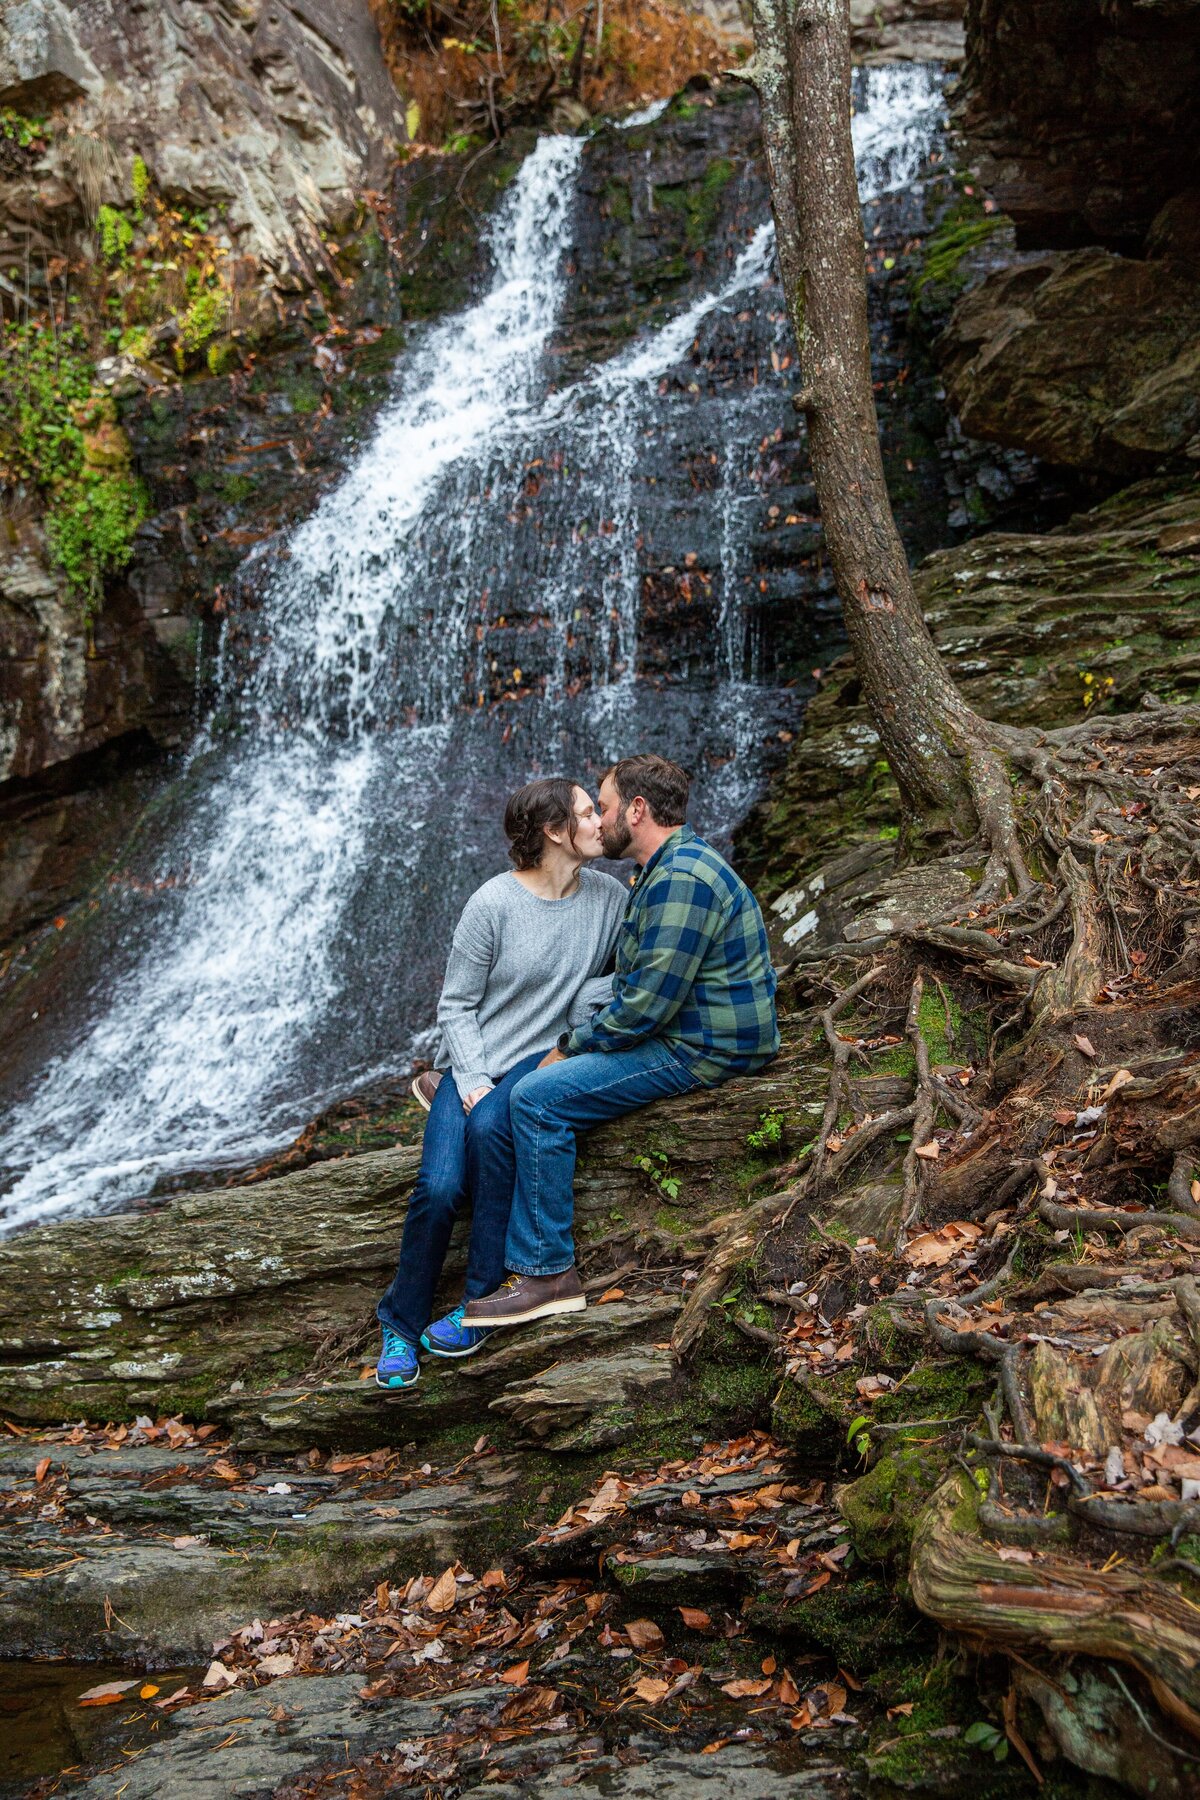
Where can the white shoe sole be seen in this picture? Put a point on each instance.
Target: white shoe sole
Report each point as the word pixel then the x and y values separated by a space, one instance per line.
pixel 417 1095
pixel 544 1311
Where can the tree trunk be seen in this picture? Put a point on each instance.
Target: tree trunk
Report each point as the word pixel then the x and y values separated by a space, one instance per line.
pixel 940 751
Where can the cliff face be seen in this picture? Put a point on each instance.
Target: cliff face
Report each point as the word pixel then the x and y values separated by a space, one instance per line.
pixel 1084 118
pixel 1083 130
pixel 278 111
pixel 230 460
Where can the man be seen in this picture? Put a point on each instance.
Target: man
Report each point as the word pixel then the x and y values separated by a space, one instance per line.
pixel 693 1003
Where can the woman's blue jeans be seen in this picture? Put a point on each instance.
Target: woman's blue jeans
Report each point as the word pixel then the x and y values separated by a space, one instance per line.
pixel 464 1156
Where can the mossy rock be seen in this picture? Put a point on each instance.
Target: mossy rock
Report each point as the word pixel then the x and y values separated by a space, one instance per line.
pixel 924 1752
pixel 813 1413
pixel 859 1623
pixel 881 1506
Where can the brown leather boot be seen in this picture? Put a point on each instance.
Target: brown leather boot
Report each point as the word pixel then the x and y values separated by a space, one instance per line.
pixel 520 1298
pixel 425 1086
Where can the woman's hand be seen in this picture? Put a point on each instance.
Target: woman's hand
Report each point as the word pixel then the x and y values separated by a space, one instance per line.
pixel 475 1095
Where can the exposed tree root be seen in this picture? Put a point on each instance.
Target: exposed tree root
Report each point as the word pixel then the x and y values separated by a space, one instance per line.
pixel 1055 1090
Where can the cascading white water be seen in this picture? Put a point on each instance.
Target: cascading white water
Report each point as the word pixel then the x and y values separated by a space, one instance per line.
pixel 325 835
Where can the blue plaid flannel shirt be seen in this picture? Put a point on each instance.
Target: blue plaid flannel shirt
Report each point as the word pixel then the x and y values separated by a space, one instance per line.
pixel 693 967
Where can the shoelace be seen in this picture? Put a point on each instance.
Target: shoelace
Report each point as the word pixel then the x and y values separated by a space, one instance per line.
pixel 393 1343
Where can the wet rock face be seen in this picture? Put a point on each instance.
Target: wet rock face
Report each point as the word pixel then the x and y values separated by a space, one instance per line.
pixel 1037 629
pixel 1084 117
pixel 62 696
pixel 1088 359
pixel 897 30
pixel 278 110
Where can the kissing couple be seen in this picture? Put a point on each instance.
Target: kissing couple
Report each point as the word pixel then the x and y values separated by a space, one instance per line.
pixel 540 1041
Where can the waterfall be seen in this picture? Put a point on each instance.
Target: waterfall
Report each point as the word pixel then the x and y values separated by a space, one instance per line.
pixel 279 940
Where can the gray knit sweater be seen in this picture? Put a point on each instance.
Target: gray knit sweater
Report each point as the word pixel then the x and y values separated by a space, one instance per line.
pixel 523 970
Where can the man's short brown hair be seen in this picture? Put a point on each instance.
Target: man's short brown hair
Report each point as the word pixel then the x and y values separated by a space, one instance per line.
pixel 662 785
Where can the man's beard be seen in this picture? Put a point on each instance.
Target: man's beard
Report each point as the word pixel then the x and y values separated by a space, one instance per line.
pixel 616 838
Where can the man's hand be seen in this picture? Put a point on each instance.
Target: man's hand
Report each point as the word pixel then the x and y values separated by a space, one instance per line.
pixel 551 1056
pixel 473 1096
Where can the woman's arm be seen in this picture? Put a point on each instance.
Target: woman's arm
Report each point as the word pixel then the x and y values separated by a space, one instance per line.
pixel 468 966
pixel 596 992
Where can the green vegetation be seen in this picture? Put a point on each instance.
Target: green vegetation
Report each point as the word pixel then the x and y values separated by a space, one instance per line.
pixel 937 275
pixel 141 184
pixel 22 130
pixel 205 314
pixel 656 1164
pixel 768 1134
pixel 697 202
pixel 59 434
pixel 116 235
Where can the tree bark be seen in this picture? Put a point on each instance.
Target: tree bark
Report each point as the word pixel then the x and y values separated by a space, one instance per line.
pixel 944 756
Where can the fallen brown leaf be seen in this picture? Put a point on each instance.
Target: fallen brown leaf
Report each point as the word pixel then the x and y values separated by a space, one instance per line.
pixel 443 1593
pixel 611 1294
pixel 105 1694
pixel 695 1619
pixel 651 1689
pixel 1084 1045
pixel 644 1634
pixel 744 1688
pixel 517 1676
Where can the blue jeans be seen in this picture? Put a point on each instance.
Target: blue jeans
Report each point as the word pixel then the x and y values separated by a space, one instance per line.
pixel 547 1109
pixel 463 1155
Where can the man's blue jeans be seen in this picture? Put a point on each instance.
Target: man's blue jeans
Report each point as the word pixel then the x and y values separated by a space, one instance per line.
pixel 464 1155
pixel 547 1109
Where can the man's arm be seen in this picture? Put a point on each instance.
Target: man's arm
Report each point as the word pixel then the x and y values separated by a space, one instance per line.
pixel 680 916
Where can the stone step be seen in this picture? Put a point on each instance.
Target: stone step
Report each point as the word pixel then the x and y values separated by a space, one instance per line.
pixel 523 1375
pixel 106 1579
pixel 251 1743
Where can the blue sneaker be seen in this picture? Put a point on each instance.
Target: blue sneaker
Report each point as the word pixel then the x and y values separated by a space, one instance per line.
pixel 450 1337
pixel 397 1366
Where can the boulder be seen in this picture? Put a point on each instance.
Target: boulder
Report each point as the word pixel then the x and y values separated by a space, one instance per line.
pixel 1090 360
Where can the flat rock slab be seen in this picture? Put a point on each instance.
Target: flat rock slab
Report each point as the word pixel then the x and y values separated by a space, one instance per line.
pixel 106 1579
pixel 745 1771
pixel 351 1413
pixel 240 1745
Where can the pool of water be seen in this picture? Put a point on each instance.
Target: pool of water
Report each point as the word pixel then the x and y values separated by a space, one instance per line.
pixel 45 1731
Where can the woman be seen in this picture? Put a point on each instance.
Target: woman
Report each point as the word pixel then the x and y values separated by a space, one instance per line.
pixel 525 965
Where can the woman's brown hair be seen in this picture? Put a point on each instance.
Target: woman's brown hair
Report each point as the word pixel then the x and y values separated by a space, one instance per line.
pixel 538 804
